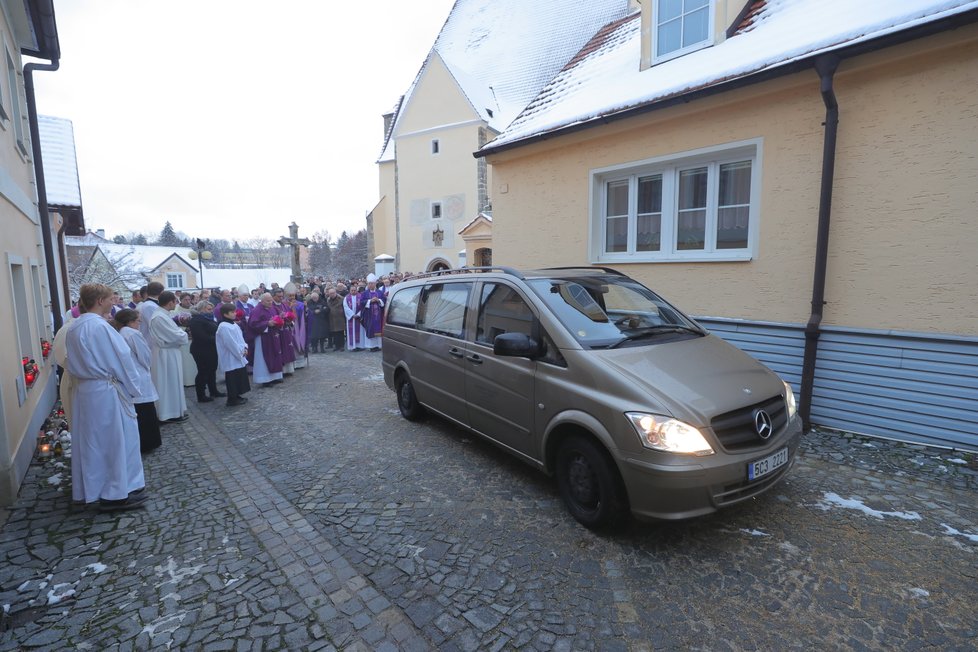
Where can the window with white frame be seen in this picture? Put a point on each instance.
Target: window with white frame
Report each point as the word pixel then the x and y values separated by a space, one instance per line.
pixel 698 206
pixel 435 146
pixel 15 110
pixel 435 210
pixel 682 26
pixel 174 281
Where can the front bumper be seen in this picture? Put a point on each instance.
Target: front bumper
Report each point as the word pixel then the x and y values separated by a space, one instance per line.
pixel 678 491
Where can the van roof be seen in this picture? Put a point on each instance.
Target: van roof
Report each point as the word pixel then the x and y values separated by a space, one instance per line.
pixel 546 272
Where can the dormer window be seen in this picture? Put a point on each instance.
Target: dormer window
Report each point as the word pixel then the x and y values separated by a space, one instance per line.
pixel 681 26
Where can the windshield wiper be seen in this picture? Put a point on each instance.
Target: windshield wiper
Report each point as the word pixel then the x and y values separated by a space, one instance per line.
pixel 652 331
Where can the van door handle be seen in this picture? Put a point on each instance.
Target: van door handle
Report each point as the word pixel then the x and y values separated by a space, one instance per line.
pixel 455 352
pixel 475 358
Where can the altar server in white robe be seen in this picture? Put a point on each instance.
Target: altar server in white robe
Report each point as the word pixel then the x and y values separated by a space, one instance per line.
pixel 167 338
pixel 105 465
pixel 355 334
pixel 148 307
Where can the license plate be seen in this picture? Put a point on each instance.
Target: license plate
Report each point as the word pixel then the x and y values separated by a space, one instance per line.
pixel 769 464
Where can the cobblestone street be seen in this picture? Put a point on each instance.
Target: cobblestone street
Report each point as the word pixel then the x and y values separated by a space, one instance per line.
pixel 315 517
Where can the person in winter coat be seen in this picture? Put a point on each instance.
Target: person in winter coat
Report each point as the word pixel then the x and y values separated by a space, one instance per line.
pixel 203 330
pixel 337 319
pixel 318 312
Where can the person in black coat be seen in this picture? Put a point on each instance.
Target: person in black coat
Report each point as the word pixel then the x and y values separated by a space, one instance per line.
pixel 318 315
pixel 203 347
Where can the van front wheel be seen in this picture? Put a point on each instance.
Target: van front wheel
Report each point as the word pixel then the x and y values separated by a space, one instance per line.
pixel 407 402
pixel 589 484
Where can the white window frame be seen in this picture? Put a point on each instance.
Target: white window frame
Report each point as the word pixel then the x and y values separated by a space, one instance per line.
pixel 669 167
pixel 699 45
pixel 436 208
pixel 179 275
pixel 16 110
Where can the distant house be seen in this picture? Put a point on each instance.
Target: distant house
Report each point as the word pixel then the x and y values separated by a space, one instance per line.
pixel 490 59
pixel 92 258
pixel 28 242
pixel 800 173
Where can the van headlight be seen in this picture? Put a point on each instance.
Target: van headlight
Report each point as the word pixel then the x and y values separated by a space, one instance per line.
pixel 663 433
pixel 789 399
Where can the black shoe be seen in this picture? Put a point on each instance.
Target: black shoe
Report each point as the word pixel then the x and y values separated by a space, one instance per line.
pixel 276 382
pixel 133 501
pixel 218 394
pixel 241 401
pixel 177 419
pixel 204 399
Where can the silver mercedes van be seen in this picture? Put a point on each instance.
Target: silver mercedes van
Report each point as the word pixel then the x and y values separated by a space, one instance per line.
pixel 592 377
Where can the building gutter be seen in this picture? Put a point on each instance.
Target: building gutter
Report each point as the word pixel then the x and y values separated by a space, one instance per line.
pixel 826 67
pixel 42 197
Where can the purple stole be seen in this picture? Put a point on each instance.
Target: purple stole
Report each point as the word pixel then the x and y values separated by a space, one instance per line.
pixel 271 341
pixel 372 315
pixel 300 327
pixel 353 329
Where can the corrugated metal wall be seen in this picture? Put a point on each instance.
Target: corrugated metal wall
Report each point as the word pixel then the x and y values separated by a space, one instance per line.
pixel 908 386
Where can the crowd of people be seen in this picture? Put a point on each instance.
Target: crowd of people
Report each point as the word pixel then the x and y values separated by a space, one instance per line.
pixel 125 366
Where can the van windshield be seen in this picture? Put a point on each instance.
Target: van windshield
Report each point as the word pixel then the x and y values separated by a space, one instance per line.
pixel 608 311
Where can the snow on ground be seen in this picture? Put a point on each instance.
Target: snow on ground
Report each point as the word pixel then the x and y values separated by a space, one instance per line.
pixel 954 532
pixel 833 499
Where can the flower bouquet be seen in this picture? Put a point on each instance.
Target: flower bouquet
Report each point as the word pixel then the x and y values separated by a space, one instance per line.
pixel 289 317
pixel 239 314
pixel 276 322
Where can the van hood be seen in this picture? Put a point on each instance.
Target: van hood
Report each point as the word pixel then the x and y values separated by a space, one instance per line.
pixel 695 379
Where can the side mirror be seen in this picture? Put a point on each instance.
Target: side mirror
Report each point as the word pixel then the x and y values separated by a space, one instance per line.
pixel 516 345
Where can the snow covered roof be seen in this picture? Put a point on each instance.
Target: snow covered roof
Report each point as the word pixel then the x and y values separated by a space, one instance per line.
pixel 605 79
pixel 252 277
pixel 57 137
pixel 502 52
pixel 144 257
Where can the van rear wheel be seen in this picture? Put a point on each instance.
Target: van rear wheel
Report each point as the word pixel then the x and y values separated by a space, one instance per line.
pixel 589 484
pixel 407 402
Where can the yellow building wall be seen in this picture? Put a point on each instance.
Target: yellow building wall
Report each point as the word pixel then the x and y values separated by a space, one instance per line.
pixel 436 110
pixel 904 238
pixel 20 244
pixel 384 227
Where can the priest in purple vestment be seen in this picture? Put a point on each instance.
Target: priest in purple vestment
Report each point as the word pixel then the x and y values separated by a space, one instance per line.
pixel 286 335
pixel 266 328
pixel 371 302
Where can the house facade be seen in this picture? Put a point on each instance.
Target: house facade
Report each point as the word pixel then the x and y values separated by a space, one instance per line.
pixel 489 60
pixel 800 176
pixel 27 244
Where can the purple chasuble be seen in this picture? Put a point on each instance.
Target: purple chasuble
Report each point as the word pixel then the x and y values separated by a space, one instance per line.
pixel 372 312
pixel 286 335
pixel 271 339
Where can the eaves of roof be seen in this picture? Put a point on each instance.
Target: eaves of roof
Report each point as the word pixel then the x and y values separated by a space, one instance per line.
pixel 724 85
pixel 45 30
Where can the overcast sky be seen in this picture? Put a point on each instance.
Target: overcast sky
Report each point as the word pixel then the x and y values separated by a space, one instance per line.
pixel 232 118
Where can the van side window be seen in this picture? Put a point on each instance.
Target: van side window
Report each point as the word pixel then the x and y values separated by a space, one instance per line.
pixel 403 307
pixel 502 310
pixel 442 308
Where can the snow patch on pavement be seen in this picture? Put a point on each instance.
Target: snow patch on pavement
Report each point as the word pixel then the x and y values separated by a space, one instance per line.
pixel 833 499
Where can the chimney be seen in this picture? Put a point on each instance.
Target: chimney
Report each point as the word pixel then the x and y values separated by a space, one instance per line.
pixel 100 233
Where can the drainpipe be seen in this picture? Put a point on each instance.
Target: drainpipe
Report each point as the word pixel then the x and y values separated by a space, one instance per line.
pixel 826 67
pixel 42 198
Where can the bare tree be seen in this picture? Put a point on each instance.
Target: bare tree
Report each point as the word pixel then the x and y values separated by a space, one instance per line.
pixel 261 250
pixel 93 265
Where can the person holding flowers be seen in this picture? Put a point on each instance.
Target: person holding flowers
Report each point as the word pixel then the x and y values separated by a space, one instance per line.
pixel 266 327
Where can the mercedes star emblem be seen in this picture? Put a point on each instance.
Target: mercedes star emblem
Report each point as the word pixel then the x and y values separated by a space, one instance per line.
pixel 762 424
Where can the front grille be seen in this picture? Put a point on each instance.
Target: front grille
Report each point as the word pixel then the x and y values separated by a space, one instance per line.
pixel 735 430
